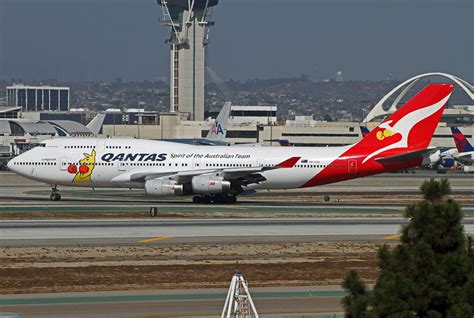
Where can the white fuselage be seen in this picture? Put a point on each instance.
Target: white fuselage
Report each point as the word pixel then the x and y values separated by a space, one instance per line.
pixel 115 159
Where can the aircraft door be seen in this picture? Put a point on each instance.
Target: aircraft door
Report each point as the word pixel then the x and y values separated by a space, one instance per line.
pixel 122 166
pixel 197 163
pixel 63 164
pixel 352 166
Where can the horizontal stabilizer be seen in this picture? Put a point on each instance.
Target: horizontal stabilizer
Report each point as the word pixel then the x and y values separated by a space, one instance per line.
pixel 421 153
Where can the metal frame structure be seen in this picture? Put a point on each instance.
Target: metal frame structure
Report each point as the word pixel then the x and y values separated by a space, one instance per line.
pixel 239 303
pixel 378 109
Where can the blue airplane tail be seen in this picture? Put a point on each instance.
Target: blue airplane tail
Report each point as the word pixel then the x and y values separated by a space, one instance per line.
pixel 364 130
pixel 462 144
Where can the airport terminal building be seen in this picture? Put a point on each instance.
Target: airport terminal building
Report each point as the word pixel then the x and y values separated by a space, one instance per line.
pixel 38 98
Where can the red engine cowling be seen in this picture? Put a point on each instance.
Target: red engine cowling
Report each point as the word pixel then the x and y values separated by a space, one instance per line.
pixel 206 184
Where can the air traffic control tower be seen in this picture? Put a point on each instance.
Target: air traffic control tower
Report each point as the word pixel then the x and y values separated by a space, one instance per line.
pixel 189 22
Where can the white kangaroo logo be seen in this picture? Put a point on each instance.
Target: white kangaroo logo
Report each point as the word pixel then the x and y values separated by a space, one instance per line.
pixel 405 124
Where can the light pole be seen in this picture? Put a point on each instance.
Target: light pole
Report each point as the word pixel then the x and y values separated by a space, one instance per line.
pixel 271 127
pixel 113 118
pixel 138 115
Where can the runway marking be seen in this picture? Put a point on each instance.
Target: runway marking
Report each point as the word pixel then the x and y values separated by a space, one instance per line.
pixel 390 237
pixel 154 239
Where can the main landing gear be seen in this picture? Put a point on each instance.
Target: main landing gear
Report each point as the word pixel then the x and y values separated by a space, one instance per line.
pixel 215 199
pixel 55 195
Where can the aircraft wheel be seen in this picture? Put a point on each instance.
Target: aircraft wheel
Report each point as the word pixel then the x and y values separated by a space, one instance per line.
pixel 218 199
pixel 225 199
pixel 55 196
pixel 197 199
pixel 153 212
pixel 231 199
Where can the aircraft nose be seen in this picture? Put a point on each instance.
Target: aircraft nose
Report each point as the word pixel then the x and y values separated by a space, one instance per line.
pixel 11 165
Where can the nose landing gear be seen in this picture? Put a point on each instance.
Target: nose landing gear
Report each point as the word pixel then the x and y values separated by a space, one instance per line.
pixel 55 195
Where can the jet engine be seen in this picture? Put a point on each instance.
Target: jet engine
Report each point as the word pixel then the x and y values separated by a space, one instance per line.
pixel 447 161
pixel 163 187
pixel 443 159
pixel 206 184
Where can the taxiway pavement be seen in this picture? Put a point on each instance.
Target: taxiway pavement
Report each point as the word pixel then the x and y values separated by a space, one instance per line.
pixel 16 189
pixel 188 230
pixel 194 302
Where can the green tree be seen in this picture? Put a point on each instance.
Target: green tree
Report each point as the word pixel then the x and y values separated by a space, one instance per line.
pixel 327 118
pixel 356 302
pixel 431 273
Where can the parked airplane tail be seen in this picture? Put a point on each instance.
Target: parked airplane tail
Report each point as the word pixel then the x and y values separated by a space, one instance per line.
pixel 96 123
pixel 364 130
pixel 218 128
pixel 462 144
pixel 411 127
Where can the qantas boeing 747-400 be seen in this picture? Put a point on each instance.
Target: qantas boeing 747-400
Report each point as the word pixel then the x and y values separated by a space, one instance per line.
pixel 220 173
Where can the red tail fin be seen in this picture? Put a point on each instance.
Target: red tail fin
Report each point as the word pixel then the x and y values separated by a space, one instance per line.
pixel 397 143
pixel 413 125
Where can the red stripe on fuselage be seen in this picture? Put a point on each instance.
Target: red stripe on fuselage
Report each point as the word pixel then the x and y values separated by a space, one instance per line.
pixel 352 168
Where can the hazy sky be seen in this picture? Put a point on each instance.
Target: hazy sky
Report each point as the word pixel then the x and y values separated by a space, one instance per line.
pixel 106 39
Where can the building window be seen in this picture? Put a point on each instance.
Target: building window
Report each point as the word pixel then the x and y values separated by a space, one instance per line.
pixel 54 100
pixel 46 99
pixel 22 97
pixel 31 99
pixel 39 99
pixel 64 100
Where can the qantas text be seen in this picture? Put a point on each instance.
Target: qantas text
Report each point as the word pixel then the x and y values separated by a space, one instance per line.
pixel 108 157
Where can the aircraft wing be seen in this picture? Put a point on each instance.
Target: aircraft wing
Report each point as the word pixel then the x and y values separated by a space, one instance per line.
pixel 464 157
pixel 197 141
pixel 242 175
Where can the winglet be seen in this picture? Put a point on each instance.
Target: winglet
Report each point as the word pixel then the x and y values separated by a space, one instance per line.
pixel 289 163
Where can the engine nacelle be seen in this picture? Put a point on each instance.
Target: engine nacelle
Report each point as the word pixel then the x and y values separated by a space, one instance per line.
pixel 447 162
pixel 206 184
pixel 163 187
